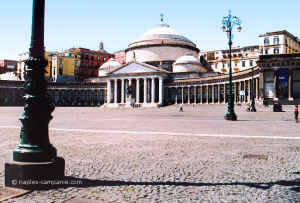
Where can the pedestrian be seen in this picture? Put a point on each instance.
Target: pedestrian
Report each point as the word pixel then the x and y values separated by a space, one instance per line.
pixel 266 103
pixel 296 113
pixel 180 108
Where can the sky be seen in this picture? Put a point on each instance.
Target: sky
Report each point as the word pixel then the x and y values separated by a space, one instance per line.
pixel 85 23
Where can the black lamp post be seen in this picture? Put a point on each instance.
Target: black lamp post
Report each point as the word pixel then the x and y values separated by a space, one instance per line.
pixel 252 107
pixel 229 22
pixel 35 158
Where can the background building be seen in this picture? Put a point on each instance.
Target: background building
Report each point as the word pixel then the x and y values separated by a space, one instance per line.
pixel 91 61
pixel 278 42
pixel 120 56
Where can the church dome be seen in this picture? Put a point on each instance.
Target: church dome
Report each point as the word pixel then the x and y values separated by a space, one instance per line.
pixel 187 59
pixel 187 63
pixel 110 65
pixel 160 32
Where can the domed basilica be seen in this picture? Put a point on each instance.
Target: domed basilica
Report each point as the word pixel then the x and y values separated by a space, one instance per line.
pixel 162 67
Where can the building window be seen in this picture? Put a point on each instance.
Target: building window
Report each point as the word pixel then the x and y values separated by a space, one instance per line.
pixel 93 73
pixel 92 64
pixel 87 57
pixel 216 66
pixel 87 72
pixel 276 40
pixel 60 71
pixel 76 63
pixel 286 42
pixel 98 65
pixel 61 62
pixel 276 50
pixel 92 58
pixel 87 64
pixel 98 58
pixel 82 72
pixel 251 63
pixel 243 63
pixel 266 41
pixel 223 65
pixel 104 59
pixel 266 51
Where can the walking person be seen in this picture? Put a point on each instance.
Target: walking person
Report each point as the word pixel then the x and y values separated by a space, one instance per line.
pixel 296 113
pixel 180 108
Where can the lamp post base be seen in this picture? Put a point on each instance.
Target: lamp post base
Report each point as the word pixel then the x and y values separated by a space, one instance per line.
pixel 231 117
pixel 34 175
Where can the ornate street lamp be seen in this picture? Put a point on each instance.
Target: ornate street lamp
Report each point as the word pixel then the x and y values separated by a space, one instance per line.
pixel 35 158
pixel 228 23
pixel 252 107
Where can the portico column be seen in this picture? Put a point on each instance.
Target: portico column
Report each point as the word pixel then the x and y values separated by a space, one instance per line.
pixel 201 91
pixel 189 95
pixel 145 90
pixel 108 96
pixel 235 92
pixel 207 94
pixel 224 92
pixel 219 93
pixel 240 89
pixel 249 90
pixel 153 91
pixel 176 90
pixel 257 87
pixel 195 94
pixel 122 91
pixel 182 100
pixel 149 90
pixel 137 90
pixel 116 91
pixel 245 91
pixel 275 86
pixel 213 94
pixel 161 86
pixel 290 85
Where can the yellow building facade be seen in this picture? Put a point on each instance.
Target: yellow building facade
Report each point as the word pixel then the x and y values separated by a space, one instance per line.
pixel 65 67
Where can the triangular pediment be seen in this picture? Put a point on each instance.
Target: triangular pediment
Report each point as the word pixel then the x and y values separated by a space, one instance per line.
pixel 135 67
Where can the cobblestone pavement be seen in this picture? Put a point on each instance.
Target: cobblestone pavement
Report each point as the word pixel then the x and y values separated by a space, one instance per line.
pixel 163 155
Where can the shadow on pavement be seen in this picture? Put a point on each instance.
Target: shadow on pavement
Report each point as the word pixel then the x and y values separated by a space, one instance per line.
pixel 85 183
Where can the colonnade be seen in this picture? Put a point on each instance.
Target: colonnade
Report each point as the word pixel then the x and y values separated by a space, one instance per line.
pixel 212 93
pixel 144 90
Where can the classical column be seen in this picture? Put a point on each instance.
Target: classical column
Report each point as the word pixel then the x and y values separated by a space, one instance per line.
pixel 257 88
pixel 116 91
pixel 153 90
pixel 145 90
pixel 176 90
pixel 149 90
pixel 275 86
pixel 207 94
pixel 290 85
pixel 161 86
pixel 195 94
pixel 213 94
pixel 122 91
pixel 137 90
pixel 245 91
pixel 249 90
pixel 240 89
pixel 108 96
pixel 219 93
pixel 189 92
pixel 235 92
pixel 224 92
pixel 201 91
pixel 182 100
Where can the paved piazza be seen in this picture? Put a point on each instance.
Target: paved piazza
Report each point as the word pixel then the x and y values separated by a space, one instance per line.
pixel 163 155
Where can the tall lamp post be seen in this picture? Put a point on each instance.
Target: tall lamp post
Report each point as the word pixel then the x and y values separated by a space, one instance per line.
pixel 35 158
pixel 228 23
pixel 252 107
